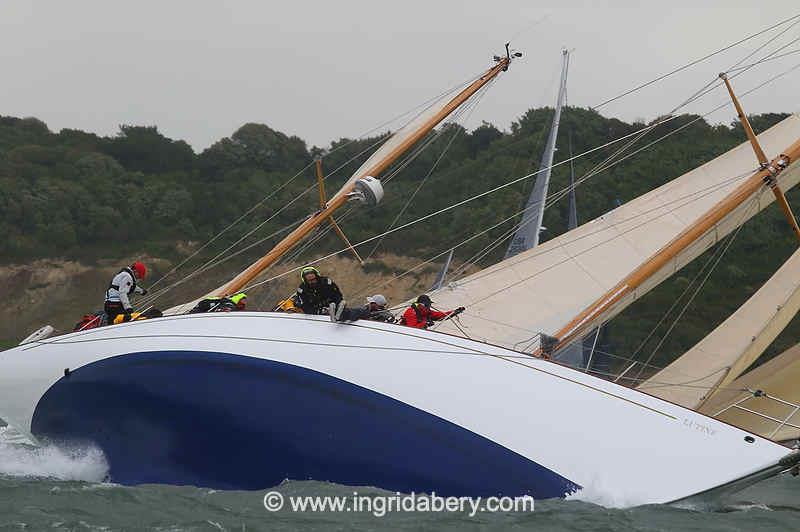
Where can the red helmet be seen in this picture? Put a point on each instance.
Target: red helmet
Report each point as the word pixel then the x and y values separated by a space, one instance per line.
pixel 139 269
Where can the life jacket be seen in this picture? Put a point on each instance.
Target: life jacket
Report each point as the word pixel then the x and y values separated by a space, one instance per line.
pixel 418 312
pixel 129 271
pixel 120 318
pixel 315 299
pixel 288 305
pixel 89 321
pixel 137 316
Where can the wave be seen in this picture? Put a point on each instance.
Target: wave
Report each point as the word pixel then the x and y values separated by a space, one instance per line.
pixel 20 458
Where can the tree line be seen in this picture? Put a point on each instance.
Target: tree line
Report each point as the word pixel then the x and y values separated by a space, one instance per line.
pixel 80 195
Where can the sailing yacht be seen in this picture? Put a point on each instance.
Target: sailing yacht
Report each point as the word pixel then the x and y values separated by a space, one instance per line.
pixel 245 400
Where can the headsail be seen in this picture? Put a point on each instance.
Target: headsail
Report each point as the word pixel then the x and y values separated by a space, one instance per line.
pixel 527 234
pixel 777 379
pixel 442 275
pixel 734 345
pixel 543 289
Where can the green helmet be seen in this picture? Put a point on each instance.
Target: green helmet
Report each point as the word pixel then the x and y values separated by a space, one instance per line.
pixel 236 298
pixel 308 269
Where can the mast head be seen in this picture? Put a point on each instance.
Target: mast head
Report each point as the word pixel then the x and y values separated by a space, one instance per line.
pixel 510 55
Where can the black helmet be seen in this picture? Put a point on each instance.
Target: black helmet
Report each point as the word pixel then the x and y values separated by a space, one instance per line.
pixel 424 300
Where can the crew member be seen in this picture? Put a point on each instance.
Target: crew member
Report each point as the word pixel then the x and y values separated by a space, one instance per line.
pixel 316 293
pixel 120 290
pixel 374 310
pixel 420 315
pixel 221 304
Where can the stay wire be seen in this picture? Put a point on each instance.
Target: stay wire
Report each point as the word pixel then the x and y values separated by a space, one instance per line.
pixel 566 190
pixel 711 270
pixel 694 62
pixel 423 105
pixel 456 133
pixel 509 183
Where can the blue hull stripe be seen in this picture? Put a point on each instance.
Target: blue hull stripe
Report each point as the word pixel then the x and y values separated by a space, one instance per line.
pixel 235 422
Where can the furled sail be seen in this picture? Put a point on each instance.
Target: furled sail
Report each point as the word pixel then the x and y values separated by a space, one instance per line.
pixel 778 379
pixel 544 289
pixel 528 232
pixel 723 355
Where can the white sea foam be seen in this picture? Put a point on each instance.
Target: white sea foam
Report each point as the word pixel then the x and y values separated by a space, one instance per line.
pixel 597 493
pixel 19 458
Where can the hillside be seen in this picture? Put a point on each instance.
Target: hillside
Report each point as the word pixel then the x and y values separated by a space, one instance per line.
pixel 74 205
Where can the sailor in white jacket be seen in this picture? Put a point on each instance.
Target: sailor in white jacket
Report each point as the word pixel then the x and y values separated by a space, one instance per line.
pixel 120 290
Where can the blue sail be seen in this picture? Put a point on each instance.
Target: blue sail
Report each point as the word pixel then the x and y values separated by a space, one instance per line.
pixel 527 234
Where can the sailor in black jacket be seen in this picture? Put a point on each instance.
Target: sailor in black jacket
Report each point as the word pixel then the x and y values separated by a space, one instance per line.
pixel 316 293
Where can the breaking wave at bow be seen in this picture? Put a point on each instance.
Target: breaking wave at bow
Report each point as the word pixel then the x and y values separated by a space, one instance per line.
pixel 20 458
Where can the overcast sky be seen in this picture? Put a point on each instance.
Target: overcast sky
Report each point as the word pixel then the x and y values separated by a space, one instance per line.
pixel 327 69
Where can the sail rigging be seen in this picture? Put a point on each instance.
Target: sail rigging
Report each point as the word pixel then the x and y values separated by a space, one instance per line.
pixel 734 345
pixel 764 401
pixel 696 237
pixel 587 265
pixel 572 217
pixel 389 152
pixel 528 232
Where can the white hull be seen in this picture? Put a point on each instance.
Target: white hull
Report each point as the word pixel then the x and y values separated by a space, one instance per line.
pixel 474 402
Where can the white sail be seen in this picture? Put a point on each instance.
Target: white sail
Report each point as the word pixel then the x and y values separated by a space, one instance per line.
pixel 734 345
pixel 543 289
pixel 779 379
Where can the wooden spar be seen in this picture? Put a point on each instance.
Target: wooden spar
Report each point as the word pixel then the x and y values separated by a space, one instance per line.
pixel 323 200
pixel 762 159
pixel 341 197
pixel 346 240
pixel 586 319
pixel 321 184
pixel 748 130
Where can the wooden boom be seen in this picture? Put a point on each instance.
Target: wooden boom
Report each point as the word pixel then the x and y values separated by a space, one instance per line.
pixel 341 197
pixel 585 320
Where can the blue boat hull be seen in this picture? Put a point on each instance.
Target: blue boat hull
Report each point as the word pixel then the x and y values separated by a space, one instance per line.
pixel 229 421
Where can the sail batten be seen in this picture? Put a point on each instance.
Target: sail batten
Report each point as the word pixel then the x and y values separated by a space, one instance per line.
pixel 543 289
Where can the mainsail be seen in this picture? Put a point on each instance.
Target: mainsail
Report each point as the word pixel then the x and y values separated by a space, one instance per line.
pixel 734 345
pixel 774 412
pixel 544 289
pixel 527 234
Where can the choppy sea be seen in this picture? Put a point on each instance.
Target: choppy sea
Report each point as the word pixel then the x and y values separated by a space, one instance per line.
pixel 55 489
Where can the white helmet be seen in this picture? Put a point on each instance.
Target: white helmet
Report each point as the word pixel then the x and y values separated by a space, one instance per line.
pixel 378 299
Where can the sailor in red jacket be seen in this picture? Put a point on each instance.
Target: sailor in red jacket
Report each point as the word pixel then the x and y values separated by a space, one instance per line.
pixel 420 315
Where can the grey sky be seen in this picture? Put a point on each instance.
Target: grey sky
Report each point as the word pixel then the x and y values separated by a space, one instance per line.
pixel 323 70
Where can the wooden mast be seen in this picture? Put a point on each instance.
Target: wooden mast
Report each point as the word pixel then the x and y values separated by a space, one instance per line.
pixel 577 327
pixel 762 159
pixel 341 197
